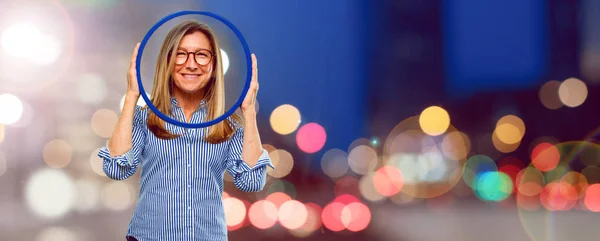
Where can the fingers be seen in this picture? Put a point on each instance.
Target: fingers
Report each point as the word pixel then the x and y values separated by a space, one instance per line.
pixel 134 55
pixel 254 68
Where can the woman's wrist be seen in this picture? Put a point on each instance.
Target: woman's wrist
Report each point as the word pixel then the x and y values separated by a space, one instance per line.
pixel 132 95
pixel 249 114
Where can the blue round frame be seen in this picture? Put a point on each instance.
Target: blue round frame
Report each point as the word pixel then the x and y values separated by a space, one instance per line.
pixel 248 72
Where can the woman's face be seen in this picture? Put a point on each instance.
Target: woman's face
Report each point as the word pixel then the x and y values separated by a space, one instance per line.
pixel 193 63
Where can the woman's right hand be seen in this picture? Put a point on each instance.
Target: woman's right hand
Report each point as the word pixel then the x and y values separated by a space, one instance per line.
pixel 132 81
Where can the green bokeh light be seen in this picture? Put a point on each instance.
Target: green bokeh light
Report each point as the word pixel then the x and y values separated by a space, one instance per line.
pixel 493 186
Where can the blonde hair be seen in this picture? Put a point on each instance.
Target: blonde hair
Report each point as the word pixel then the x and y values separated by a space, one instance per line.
pixel 215 89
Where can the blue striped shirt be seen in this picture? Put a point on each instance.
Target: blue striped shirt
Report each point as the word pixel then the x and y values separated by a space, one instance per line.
pixel 181 180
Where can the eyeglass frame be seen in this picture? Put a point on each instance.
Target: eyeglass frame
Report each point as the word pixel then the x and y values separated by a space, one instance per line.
pixel 187 57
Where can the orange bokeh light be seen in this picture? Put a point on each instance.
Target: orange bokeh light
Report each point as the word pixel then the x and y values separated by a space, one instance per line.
pixel 388 181
pixel 278 198
pixel 559 196
pixel 545 157
pixel 592 198
pixel 263 214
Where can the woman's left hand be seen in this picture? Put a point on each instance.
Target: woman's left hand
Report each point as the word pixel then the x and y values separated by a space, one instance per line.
pixel 249 104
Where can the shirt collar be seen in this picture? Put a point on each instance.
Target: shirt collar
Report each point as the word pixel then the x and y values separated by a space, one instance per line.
pixel 174 102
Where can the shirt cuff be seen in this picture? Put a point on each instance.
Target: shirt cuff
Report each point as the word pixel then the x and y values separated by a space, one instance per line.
pixel 125 159
pixel 263 160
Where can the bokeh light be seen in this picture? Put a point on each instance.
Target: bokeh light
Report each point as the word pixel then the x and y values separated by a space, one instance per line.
pixel 21 40
pixel 48 52
pixel 335 163
pixel 545 157
pixel 96 163
pixel 88 195
pixel 548 95
pixel 55 233
pixel 57 153
pixel 292 214
pixel 362 159
pixel 235 211
pixel 11 109
pixel 592 198
pixel 285 119
pixel 572 92
pixel 577 180
pixel 558 196
pixel 530 181
pixel 434 120
pixel 346 199
pixel 26 117
pixel 510 129
pixel 359 142
pixel 117 195
pixel 332 216
pixel 91 88
pixel 368 190
pixel 104 122
pixel 313 221
pixel 430 166
pixel 282 161
pixel 278 198
pixel 511 166
pixel 311 137
pixel 477 165
pixel 263 214
pixel 50 193
pixel 456 145
pixel 225 61
pixel 502 146
pixel 557 173
pixel 493 186
pixel 356 216
pixel 388 181
pixel 405 138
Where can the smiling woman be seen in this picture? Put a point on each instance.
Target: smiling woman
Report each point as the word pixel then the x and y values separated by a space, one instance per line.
pixel 191 81
pixel 181 186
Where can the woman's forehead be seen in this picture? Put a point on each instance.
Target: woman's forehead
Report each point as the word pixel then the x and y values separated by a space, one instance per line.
pixel 194 42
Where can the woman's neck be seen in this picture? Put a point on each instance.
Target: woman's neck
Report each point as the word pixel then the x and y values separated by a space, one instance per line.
pixel 189 102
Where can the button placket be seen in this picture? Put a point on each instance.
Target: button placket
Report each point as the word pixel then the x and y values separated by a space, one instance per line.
pixel 190 155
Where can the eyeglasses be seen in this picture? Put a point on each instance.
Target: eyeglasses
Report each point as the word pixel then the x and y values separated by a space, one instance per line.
pixel 202 57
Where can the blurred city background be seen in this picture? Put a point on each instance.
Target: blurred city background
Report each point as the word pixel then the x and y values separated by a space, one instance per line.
pixel 386 120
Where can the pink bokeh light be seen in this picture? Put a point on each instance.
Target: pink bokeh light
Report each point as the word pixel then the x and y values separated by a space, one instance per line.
pixel 311 137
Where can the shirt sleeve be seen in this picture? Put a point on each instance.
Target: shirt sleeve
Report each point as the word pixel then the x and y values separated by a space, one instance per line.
pixel 245 177
pixel 123 166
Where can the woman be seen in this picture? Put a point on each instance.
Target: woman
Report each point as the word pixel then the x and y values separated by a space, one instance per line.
pixel 182 169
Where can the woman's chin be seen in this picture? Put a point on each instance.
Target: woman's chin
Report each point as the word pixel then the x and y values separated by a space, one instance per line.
pixel 192 89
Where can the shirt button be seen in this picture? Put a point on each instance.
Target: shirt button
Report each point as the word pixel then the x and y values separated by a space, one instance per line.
pixel 189 207
pixel 189 165
pixel 189 185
